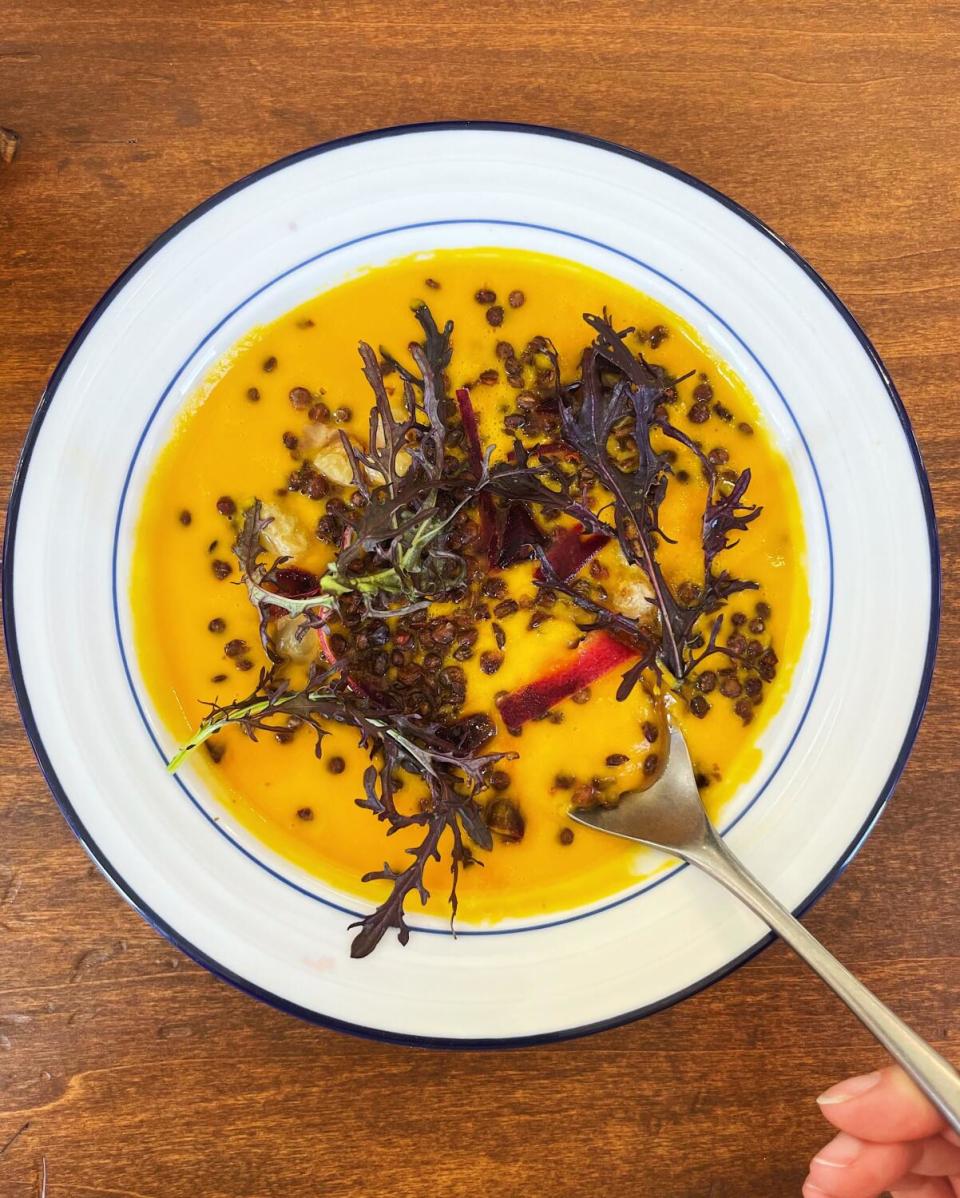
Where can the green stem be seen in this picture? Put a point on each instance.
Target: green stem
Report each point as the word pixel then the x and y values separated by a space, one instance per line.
pixel 295 607
pixel 211 727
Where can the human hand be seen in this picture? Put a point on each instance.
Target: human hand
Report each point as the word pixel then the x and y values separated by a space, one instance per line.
pixel 890 1138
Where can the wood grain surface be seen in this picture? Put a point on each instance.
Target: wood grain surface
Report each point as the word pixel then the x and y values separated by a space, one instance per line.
pixel 131 1071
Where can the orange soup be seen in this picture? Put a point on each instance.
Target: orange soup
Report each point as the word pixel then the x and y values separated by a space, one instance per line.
pixel 536 563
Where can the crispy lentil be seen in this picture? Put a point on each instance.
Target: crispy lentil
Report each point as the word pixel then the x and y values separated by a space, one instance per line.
pixel 583 795
pixel 502 816
pixel 328 530
pixel 316 486
pixel 443 631
pixel 688 593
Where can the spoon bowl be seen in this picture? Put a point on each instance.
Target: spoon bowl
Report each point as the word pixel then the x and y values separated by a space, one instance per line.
pixel 669 816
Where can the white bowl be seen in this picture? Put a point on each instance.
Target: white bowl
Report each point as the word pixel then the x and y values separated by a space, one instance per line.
pixel 831 756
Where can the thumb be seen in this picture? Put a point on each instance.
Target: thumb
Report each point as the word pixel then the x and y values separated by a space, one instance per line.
pixel 883 1107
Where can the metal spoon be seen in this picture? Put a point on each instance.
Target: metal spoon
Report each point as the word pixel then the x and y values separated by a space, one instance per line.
pixel 670 816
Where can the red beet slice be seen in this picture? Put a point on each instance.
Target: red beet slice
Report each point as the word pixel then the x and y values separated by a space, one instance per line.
pixel 488 515
pixel 519 537
pixel 295 583
pixel 598 655
pixel 471 429
pixel 571 551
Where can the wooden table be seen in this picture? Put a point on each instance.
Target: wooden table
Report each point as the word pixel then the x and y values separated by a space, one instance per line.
pixel 137 1074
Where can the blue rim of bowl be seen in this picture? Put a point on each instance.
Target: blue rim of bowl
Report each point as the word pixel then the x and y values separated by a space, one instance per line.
pixel 60 795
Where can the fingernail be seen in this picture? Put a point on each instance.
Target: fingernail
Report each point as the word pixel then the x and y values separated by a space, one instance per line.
pixel 841 1151
pixel 853 1087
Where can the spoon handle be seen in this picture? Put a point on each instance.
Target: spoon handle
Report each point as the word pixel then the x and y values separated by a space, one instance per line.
pixel 936 1077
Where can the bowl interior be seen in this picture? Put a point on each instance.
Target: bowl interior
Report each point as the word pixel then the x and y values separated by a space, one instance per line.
pixel 297 229
pixel 321 271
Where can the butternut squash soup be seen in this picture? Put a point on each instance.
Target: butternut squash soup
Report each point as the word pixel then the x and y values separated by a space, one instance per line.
pixel 413 604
